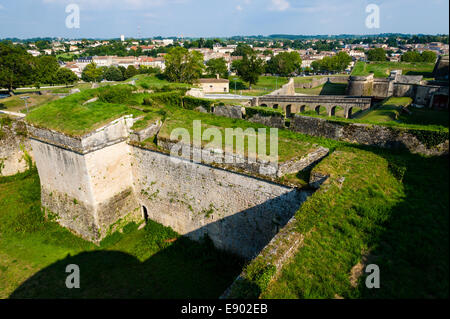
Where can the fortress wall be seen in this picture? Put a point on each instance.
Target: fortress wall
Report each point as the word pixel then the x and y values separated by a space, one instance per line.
pixel 13 143
pixel 85 181
pixel 366 134
pixel 238 212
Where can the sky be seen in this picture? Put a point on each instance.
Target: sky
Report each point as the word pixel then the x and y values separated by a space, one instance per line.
pixel 218 18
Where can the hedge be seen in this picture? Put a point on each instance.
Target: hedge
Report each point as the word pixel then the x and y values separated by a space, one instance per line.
pixel 263 111
pixel 191 103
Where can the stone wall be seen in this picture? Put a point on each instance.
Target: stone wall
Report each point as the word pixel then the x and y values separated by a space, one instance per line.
pixel 366 134
pixel 287 89
pixel 13 146
pixel 315 82
pixel 86 181
pixel 271 121
pixel 238 212
pixel 231 111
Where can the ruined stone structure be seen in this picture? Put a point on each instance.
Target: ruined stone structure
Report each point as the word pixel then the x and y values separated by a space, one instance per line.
pixel 299 104
pixel 432 95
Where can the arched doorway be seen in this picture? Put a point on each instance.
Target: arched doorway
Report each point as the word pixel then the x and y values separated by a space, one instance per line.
pixel 275 106
pixel 289 111
pixel 302 108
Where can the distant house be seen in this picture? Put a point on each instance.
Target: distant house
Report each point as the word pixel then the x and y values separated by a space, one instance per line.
pixel 215 85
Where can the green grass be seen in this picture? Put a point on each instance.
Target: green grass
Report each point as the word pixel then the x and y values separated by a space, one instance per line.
pixel 15 104
pixel 325 89
pixel 399 221
pixel 265 85
pixel 69 116
pixel 154 262
pixel 382 69
pixel 308 79
pixel 148 82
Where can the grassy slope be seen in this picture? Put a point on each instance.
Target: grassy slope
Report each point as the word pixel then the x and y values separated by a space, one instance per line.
pixel 15 104
pixel 265 85
pixel 382 69
pixel 145 263
pixel 402 225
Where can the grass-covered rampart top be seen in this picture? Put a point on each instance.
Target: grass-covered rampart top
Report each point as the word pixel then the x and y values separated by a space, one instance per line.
pixel 383 69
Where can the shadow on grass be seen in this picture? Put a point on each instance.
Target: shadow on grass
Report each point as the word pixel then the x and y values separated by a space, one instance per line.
pixel 411 247
pixel 185 269
pixel 333 89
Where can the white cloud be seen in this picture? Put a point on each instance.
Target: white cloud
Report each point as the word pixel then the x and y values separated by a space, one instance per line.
pixel 112 4
pixel 1 7
pixel 280 5
pixel 239 8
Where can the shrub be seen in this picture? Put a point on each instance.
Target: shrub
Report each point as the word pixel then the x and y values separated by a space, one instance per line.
pixel 117 94
pixel 167 98
pixel 263 111
pixel 191 103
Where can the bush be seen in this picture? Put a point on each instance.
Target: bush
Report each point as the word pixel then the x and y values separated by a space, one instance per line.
pixel 167 98
pixel 116 94
pixel 263 111
pixel 191 103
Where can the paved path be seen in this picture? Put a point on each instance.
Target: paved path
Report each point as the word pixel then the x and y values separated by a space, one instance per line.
pixel 228 96
pixel 13 113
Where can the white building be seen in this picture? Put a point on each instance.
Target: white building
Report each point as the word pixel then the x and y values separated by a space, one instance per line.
pixel 122 38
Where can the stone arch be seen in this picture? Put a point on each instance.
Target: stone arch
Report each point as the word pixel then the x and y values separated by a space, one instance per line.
pixel 275 106
pixel 348 112
pixel 263 105
pixel 289 110
pixel 336 110
pixel 302 108
pixel 318 109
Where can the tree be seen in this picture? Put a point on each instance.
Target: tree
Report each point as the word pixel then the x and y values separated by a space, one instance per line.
pixel 45 70
pixel 91 73
pixel 284 63
pixel 342 61
pixel 130 72
pixel 66 76
pixel 217 66
pixel 183 66
pixel 242 49
pixel 113 74
pixel 429 56
pixel 250 68
pixel 411 56
pixel 376 55
pixel 16 66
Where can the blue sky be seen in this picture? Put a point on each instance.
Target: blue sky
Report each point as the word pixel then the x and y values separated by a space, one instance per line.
pixel 208 18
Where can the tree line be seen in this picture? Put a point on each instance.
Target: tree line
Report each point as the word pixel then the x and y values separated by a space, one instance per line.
pixel 19 68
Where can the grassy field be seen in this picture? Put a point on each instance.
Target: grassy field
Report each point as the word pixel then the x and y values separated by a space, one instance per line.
pixel 382 69
pixel 325 89
pixel 154 262
pixel 308 79
pixel 388 209
pixel 265 85
pixel 15 104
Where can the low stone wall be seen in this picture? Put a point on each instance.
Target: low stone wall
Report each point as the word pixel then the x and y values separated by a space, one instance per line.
pixel 231 111
pixel 271 121
pixel 13 147
pixel 366 134
pixel 239 213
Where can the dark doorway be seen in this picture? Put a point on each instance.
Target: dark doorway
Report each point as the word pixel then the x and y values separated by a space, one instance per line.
pixel 145 213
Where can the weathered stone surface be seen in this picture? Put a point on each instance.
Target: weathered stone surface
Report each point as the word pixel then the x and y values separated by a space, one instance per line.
pixel 13 145
pixel 142 135
pixel 271 121
pixel 236 211
pixel 300 164
pixel 231 111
